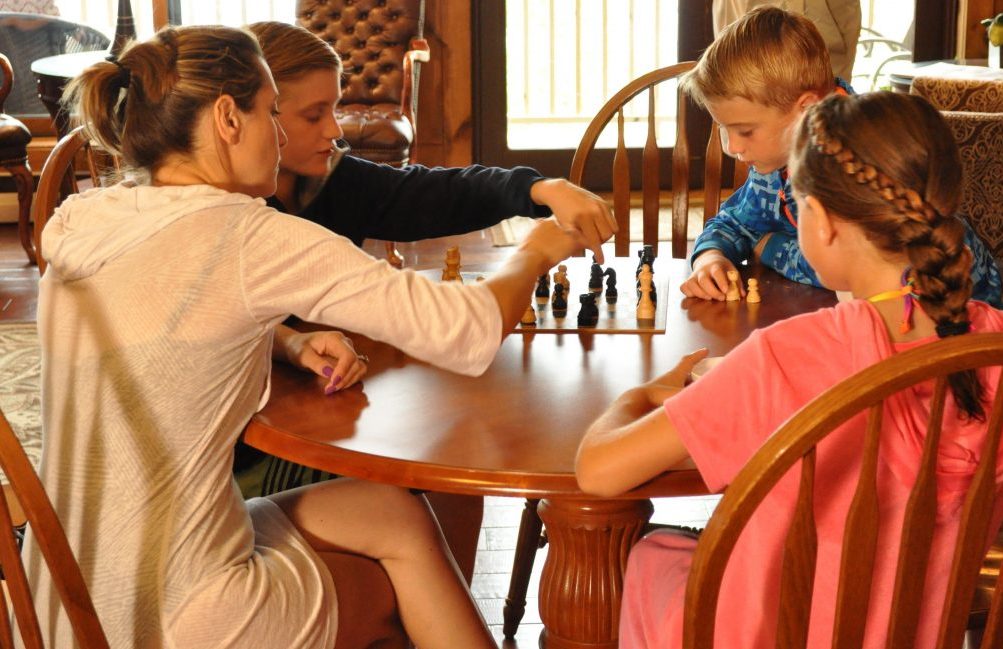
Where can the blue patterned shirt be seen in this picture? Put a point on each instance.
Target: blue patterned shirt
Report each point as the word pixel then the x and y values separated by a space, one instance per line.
pixel 754 210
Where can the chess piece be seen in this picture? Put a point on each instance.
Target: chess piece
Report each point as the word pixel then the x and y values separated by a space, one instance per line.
pixel 559 305
pixel 543 288
pixel 561 277
pixel 588 316
pixel 645 306
pixel 451 273
pixel 646 255
pixel 595 277
pixel 753 292
pixel 529 317
pixel 611 293
pixel 733 293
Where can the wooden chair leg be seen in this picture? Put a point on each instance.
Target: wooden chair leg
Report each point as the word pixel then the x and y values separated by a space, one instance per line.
pixel 25 184
pixel 529 541
pixel 395 258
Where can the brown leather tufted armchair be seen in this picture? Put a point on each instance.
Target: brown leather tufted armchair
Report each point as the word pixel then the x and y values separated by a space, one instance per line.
pixel 14 139
pixel 379 42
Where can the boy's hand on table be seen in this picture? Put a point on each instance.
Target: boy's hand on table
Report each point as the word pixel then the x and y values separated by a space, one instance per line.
pixel 576 209
pixel 709 280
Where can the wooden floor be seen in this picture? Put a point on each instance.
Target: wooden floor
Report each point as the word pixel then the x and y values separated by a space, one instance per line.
pixel 496 546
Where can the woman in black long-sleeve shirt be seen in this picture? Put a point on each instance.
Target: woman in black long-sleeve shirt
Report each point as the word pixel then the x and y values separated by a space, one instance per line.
pixel 360 200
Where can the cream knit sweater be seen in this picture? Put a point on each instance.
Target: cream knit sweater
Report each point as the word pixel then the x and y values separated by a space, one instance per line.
pixel 155 318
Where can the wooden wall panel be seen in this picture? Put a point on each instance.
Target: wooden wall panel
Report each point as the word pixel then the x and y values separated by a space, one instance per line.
pixel 445 134
pixel 975 34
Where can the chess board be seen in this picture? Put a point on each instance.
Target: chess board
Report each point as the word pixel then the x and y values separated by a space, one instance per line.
pixel 618 318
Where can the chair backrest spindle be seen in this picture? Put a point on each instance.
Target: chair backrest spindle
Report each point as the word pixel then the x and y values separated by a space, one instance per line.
pixel 972 531
pixel 48 535
pixel 917 531
pixel 680 182
pixel 621 188
pixel 859 543
pixel 797 572
pixel 651 167
pixel 649 178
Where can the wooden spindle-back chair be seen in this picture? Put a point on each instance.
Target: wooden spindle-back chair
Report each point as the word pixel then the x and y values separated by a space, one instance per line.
pixel 795 442
pixel 531 527
pixel 59 177
pixel 50 538
pixel 650 157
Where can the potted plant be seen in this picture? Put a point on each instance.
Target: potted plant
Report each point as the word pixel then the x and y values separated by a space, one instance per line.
pixel 994 29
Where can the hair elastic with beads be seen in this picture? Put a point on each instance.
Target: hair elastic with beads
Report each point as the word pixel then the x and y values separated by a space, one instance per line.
pixel 910 298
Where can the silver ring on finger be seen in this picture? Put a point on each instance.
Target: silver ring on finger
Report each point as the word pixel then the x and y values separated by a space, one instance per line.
pixel 363 358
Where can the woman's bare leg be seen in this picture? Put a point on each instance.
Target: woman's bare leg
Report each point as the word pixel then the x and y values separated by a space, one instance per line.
pixel 397 529
pixel 459 519
pixel 367 612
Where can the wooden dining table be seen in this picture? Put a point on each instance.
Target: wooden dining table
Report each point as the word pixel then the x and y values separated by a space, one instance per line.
pixel 514 430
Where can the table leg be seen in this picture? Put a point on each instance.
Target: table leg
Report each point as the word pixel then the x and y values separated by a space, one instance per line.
pixel 582 581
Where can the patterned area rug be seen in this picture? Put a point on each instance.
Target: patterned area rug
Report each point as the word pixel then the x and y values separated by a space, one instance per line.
pixel 20 367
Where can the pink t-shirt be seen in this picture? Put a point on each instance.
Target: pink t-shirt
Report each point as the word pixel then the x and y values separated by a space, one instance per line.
pixel 723 419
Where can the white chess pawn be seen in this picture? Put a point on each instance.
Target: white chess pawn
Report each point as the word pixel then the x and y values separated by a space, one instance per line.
pixel 529 317
pixel 645 307
pixel 753 292
pixel 733 293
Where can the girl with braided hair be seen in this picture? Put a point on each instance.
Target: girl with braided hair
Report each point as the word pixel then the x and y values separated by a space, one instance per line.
pixel 877 179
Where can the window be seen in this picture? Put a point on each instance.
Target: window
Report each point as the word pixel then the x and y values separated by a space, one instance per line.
pixel 102 14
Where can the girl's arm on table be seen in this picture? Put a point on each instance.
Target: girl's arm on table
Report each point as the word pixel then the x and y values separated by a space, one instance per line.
pixel 633 440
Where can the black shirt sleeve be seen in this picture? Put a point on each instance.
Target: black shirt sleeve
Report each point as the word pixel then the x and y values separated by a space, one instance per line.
pixel 361 199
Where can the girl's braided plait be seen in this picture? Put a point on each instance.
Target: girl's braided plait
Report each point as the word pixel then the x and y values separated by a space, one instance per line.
pixel 934 242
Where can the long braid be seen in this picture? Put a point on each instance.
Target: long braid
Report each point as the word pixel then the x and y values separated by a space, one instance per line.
pixel 934 242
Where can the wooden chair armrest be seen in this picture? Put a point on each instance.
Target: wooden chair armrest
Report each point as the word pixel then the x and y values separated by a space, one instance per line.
pixel 419 52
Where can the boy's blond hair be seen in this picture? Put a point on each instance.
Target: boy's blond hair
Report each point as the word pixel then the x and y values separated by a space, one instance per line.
pixel 768 56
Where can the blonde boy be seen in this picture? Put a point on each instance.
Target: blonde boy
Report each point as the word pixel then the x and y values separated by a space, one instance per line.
pixel 755 80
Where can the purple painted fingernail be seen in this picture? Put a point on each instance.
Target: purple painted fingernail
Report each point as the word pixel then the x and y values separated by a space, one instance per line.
pixel 331 389
pixel 328 371
pixel 336 380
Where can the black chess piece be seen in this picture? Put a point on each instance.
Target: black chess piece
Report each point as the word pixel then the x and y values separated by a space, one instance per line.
pixel 646 255
pixel 588 316
pixel 611 293
pixel 595 278
pixel 637 283
pixel 559 305
pixel 543 286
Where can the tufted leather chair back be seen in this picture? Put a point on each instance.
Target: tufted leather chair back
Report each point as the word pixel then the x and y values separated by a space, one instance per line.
pixel 371 37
